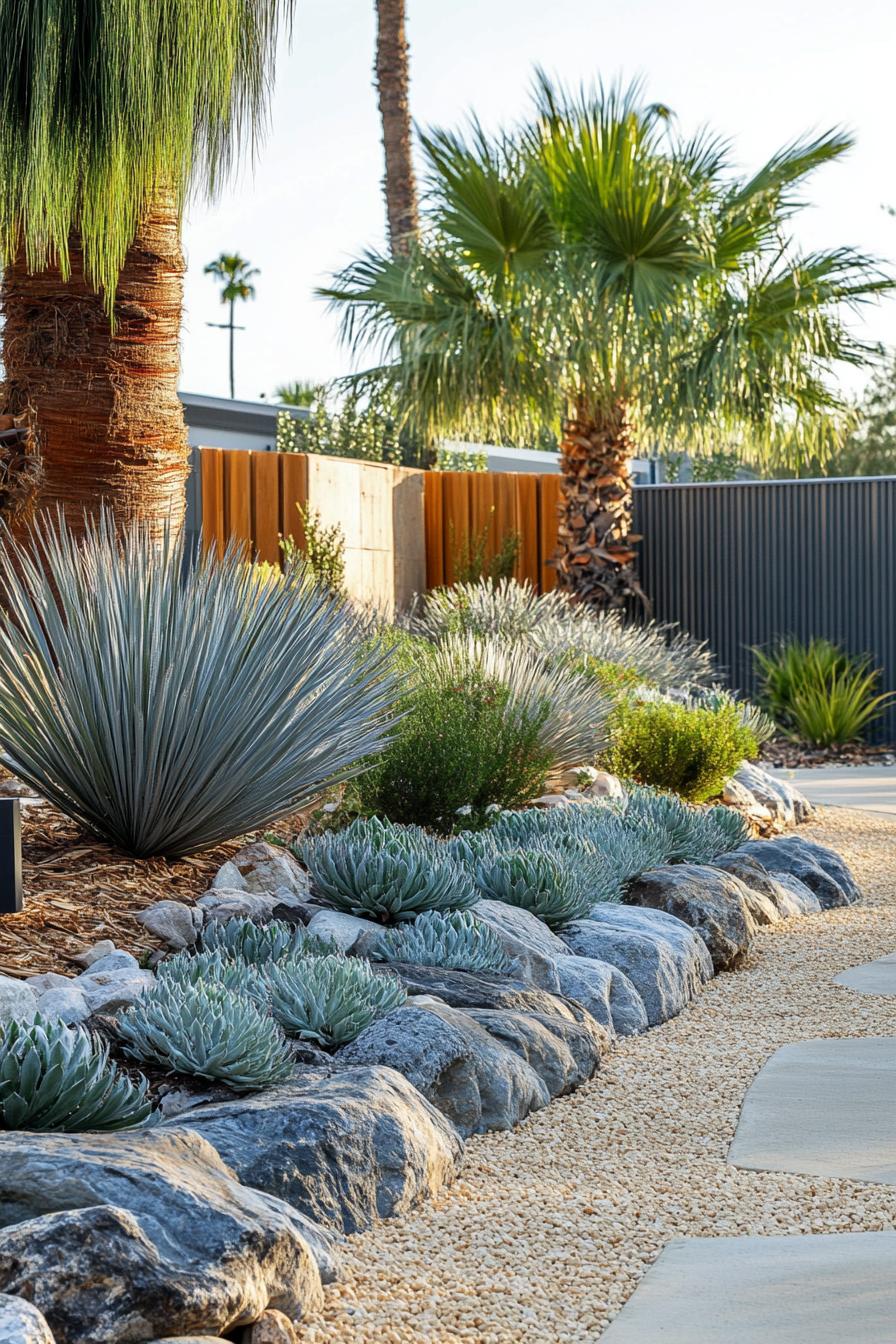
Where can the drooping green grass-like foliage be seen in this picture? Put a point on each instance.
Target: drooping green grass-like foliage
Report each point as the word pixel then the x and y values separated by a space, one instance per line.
pixel 818 693
pixel 384 872
pixel 537 881
pixel 330 1000
pixel 206 1031
pixel 168 702
pixel 104 103
pixel 54 1077
pixel 456 940
pixel 257 944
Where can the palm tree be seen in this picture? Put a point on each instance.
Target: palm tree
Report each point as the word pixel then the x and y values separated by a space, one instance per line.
pixel 595 272
pixel 301 392
pixel 236 276
pixel 110 114
pixel 393 82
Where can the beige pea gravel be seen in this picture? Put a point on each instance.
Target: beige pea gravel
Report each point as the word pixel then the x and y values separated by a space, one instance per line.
pixel 550 1226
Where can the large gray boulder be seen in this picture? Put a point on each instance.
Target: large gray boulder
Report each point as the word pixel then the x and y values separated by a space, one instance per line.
pixel 710 900
pixel 667 966
pixel 18 1001
pixel 528 943
pixel 786 804
pixel 563 1053
pixel 467 1075
pixel 789 897
pixel 21 1323
pixel 265 870
pixel 344 1149
pixel 821 869
pixel 607 994
pixel 173 922
pixel 472 989
pixel 148 1234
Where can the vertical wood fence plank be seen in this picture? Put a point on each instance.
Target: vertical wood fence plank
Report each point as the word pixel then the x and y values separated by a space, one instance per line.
pixel 483 519
pixel 527 562
pixel 456 497
pixel 266 507
pixel 211 468
pixel 238 498
pixel 506 516
pixel 293 491
pixel 434 522
pixel 548 501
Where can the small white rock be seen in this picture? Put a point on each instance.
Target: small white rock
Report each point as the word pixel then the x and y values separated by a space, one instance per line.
pixel 176 924
pixel 18 1001
pixel 67 1005
pixel 92 954
pixel 112 961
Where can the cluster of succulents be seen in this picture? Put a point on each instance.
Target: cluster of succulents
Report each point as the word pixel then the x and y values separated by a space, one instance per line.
pixel 54 1077
pixel 538 881
pixel 457 941
pixel 244 940
pixel 385 872
pixel 330 1000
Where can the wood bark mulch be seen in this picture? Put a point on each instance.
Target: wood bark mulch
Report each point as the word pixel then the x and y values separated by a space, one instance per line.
pixel 799 755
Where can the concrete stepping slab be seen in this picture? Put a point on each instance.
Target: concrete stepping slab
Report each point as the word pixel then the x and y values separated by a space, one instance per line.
pixel 873 977
pixel 832 1289
pixel 823 1108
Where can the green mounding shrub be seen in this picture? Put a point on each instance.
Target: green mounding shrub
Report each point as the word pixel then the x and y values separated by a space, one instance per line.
pixel 670 746
pixel 485 725
pixel 556 625
pixel 54 1077
pixel 256 944
pixel 537 881
pixel 385 872
pixel 206 1031
pixel 168 701
pixel 330 1000
pixel 456 940
pixel 754 718
pixel 818 693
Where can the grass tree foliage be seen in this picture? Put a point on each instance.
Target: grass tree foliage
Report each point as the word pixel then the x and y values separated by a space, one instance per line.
pixel 167 701
pixel 592 267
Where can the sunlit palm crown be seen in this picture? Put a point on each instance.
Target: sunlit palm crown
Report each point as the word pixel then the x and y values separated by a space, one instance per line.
pixel 592 256
pixel 102 102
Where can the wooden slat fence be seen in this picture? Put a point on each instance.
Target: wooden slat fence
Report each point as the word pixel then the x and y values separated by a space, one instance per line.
pixel 461 506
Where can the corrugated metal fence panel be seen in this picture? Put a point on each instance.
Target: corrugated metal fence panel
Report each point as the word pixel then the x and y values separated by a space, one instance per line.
pixel 738 564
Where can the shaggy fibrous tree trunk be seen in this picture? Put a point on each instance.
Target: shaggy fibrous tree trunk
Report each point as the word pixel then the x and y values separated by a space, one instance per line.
pixel 393 83
pixel 100 397
pixel 596 552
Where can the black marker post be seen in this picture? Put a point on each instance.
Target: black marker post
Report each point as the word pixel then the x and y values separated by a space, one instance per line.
pixel 10 856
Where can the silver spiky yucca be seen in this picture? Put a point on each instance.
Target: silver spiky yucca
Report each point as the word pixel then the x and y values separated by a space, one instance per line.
pixel 170 701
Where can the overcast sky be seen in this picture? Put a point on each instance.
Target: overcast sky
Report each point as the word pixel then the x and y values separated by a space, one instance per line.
pixel 761 75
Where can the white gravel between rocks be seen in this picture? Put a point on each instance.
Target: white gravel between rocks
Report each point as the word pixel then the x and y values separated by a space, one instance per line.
pixel 550 1226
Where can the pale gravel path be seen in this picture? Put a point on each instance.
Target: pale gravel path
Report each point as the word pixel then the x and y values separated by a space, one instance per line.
pixel 549 1228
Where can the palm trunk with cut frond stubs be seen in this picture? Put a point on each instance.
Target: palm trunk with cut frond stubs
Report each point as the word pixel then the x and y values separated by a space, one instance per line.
pixel 596 553
pixel 100 397
pixel 392 82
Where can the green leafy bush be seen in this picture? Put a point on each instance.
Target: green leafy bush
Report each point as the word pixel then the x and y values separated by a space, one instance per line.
pixel 536 881
pixel 691 751
pixel 818 693
pixel 169 701
pixel 485 724
pixel 385 872
pixel 256 944
pixel 54 1077
pixel 456 940
pixel 206 1031
pixel 323 552
pixel 330 1000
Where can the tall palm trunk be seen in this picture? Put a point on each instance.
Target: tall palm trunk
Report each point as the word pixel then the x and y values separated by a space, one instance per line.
pixel 596 553
pixel 101 399
pixel 393 83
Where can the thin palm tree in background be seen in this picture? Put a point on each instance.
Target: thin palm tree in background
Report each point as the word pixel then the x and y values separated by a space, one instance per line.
pixel 594 272
pixel 110 114
pixel 393 85
pixel 236 276
pixel 301 392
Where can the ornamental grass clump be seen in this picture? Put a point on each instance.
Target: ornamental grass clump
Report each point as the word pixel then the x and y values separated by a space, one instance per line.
pixel 168 700
pixel 457 941
pixel 537 881
pixel 206 1030
pixel 818 693
pixel 384 872
pixel 54 1077
pixel 688 750
pixel 330 1000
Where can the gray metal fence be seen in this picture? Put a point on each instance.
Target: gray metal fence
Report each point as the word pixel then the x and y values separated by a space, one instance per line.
pixel 740 563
